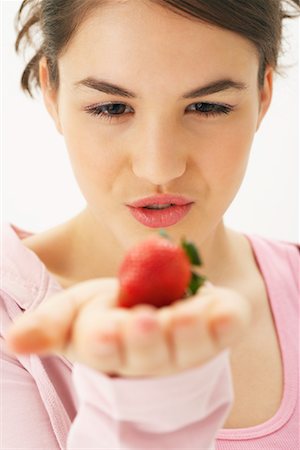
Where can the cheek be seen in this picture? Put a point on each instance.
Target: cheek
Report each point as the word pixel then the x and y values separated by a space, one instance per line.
pixel 95 161
pixel 227 151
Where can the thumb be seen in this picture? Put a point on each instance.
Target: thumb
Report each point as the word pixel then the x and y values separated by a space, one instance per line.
pixel 48 328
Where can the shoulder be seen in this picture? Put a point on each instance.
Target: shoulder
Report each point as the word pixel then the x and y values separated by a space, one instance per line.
pixel 280 256
pixel 275 246
pixel 24 276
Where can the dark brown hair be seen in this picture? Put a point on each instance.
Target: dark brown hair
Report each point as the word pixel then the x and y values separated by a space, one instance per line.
pixel 56 21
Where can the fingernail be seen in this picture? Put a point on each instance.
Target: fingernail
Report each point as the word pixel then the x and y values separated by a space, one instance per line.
pixel 144 323
pixel 104 349
pixel 222 330
pixel 222 327
pixel 32 341
pixel 104 342
pixel 104 345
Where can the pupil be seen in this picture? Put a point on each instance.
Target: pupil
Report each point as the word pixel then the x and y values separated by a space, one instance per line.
pixel 204 107
pixel 117 108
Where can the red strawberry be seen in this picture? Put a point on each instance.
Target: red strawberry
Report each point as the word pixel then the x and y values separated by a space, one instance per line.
pixel 158 272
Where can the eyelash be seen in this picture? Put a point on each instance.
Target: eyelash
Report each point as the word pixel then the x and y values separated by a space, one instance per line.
pixel 212 110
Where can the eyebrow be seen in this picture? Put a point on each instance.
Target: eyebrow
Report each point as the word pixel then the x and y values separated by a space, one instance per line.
pixel 112 89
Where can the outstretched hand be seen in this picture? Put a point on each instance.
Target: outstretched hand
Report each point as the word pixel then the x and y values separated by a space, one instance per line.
pixel 85 324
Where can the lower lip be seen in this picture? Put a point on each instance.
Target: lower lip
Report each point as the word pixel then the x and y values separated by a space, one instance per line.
pixel 160 218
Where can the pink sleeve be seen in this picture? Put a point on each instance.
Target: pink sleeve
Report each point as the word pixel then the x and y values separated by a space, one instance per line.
pixel 25 420
pixel 183 411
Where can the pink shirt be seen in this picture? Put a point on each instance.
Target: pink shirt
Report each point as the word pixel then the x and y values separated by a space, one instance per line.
pixel 50 403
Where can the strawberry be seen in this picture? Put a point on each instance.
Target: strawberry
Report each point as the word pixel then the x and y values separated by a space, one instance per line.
pixel 158 272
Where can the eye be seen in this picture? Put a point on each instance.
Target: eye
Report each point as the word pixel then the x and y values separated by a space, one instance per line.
pixel 108 111
pixel 211 109
pixel 115 111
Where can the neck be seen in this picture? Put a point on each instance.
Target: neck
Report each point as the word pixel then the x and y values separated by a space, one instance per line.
pixel 220 251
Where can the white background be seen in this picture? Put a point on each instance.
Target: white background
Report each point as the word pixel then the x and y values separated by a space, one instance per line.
pixel 39 190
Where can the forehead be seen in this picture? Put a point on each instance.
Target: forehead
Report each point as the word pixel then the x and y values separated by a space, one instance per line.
pixel 142 36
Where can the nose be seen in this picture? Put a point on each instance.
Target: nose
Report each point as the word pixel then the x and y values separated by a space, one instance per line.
pixel 158 156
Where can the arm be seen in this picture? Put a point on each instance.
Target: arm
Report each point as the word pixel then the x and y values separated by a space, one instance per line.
pixel 172 392
pixel 181 411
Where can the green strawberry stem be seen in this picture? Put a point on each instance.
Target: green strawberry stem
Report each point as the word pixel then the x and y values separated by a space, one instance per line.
pixel 163 233
pixel 192 252
pixel 197 280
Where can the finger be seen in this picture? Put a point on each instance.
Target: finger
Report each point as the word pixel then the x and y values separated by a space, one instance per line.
pixel 146 349
pixel 48 327
pixel 205 324
pixel 191 341
pixel 229 316
pixel 96 338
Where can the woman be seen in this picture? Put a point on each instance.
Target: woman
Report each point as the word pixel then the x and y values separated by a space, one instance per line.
pixel 158 103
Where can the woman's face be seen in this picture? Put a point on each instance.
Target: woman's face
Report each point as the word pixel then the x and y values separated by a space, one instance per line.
pixel 159 140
